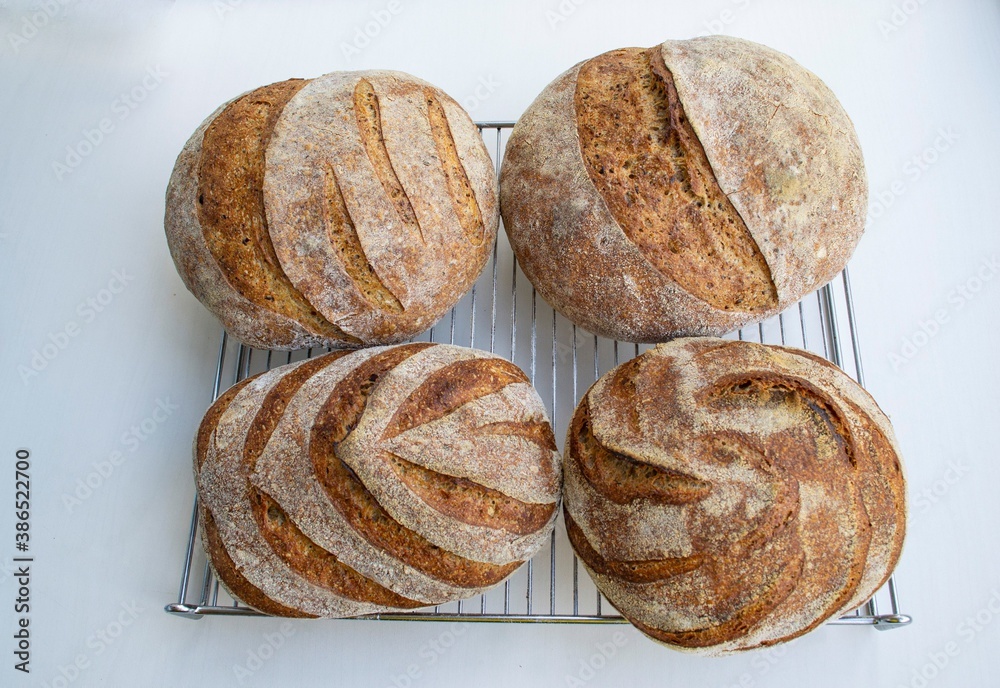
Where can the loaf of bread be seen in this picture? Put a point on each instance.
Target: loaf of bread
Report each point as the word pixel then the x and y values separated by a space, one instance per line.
pixel 726 495
pixel 378 480
pixel 355 208
pixel 691 188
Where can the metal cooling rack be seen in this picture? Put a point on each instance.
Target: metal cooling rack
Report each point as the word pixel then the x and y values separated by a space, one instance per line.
pixel 503 314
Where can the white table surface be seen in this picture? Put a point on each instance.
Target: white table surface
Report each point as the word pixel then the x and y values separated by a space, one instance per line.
pixel 913 75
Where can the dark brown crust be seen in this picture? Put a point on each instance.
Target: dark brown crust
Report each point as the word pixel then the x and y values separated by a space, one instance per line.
pixel 272 408
pixel 623 479
pixel 211 420
pixel 469 502
pixel 303 556
pixel 233 580
pixel 354 154
pixel 315 564
pixel 231 204
pixel 457 180
pixel 647 163
pixel 818 527
pixel 223 565
pixel 358 506
pixel 758 128
pixel 631 571
pixel 450 387
pixel 736 626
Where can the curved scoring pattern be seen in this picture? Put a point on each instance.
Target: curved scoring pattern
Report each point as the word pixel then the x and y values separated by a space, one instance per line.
pixel 727 495
pixel 312 509
pixel 351 209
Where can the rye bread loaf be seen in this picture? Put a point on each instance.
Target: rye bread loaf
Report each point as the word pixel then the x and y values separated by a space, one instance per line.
pixel 355 208
pixel 727 495
pixel 379 480
pixel 689 188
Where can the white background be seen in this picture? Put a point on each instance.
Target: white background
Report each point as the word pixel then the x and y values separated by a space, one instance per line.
pixel 905 71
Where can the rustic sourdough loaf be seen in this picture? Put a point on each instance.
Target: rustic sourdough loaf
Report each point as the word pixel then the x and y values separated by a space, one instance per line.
pixel 351 209
pixel 384 479
pixel 688 188
pixel 726 495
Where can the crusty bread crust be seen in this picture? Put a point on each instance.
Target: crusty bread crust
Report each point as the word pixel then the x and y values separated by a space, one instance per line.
pixel 379 480
pixel 364 219
pixel 779 149
pixel 355 209
pixel 201 273
pixel 726 495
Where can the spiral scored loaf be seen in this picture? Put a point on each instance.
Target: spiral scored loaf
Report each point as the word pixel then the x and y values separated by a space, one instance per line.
pixel 690 188
pixel 383 479
pixel 354 208
pixel 727 495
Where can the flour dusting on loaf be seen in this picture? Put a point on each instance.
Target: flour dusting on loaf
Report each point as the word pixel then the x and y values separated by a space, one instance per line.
pixel 325 490
pixel 690 188
pixel 352 209
pixel 726 495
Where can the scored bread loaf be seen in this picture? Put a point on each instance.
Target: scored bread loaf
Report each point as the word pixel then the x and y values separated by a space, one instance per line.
pixel 689 188
pixel 383 479
pixel 351 209
pixel 726 495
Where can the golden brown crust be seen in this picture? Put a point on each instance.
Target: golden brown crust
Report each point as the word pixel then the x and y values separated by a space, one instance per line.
pixel 381 208
pixel 231 204
pixel 651 170
pixel 232 580
pixel 438 395
pixel 775 497
pixel 294 529
pixel 671 191
pixel 355 208
pixel 335 421
pixel 223 565
pixel 315 564
pixel 200 271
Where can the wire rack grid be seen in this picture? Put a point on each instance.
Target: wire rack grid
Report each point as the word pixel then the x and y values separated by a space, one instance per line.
pixel 503 314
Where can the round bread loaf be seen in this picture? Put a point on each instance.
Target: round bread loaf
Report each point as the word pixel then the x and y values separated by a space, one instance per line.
pixel 379 480
pixel 691 188
pixel 726 495
pixel 355 208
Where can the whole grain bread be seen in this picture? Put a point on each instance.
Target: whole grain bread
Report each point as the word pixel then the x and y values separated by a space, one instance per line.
pixel 689 188
pixel 726 495
pixel 351 209
pixel 380 480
